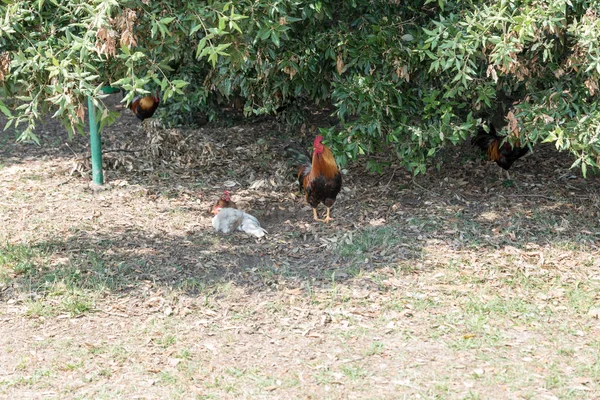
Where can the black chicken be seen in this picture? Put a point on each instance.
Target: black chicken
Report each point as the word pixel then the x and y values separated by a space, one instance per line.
pixel 502 153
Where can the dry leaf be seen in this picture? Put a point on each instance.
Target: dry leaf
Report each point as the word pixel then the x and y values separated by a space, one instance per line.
pixel 339 64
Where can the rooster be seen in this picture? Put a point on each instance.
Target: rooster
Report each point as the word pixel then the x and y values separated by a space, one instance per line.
pixel 228 219
pixel 502 153
pixel 144 106
pixel 321 180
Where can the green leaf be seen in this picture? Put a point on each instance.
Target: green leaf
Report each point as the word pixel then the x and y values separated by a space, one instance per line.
pixel 264 33
pixel 178 83
pixel 167 20
pixel 235 26
pixel 201 46
pixel 275 38
pixel 195 29
pixel 5 110
pixel 212 58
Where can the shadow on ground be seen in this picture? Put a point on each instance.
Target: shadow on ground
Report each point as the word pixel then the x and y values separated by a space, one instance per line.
pixel 152 225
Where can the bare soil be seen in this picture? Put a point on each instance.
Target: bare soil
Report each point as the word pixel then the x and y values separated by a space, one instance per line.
pixel 456 284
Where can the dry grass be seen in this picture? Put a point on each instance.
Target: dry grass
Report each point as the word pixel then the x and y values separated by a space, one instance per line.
pixel 456 285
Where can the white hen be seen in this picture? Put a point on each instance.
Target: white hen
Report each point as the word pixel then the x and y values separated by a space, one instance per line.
pixel 229 219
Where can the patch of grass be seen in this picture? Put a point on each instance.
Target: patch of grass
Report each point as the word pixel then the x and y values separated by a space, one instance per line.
pixel 581 300
pixel 423 303
pixel 220 382
pixel 354 372
pixel 17 259
pixel 376 347
pixel 31 177
pixel 468 342
pixel 520 279
pixel 23 363
pixel 118 353
pixel 354 333
pixel 34 379
pixel 185 354
pixel 554 378
pixel 77 303
pixel 167 378
pixel 193 286
pixel 265 381
pixel 592 369
pixel 70 366
pixel 267 274
pixel 235 372
pixel 363 244
pixel 38 308
pixel 105 372
pixel 68 285
pixel 472 396
pixel 325 377
pixel 566 352
pixel 166 341
pixel 423 224
pixel 499 307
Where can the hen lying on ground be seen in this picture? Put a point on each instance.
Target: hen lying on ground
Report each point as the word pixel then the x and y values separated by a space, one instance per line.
pixel 228 220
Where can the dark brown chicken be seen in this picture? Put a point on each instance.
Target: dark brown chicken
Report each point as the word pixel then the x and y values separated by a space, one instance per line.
pixel 144 106
pixel 504 154
pixel 223 202
pixel 320 179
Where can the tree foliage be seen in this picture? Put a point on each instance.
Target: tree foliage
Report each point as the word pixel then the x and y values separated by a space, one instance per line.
pixel 55 53
pixel 410 77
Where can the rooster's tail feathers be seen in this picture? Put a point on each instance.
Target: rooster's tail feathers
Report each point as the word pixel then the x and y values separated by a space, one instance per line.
pixel 297 154
pixel 484 139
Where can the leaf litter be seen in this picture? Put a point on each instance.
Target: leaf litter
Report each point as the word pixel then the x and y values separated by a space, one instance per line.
pixel 449 285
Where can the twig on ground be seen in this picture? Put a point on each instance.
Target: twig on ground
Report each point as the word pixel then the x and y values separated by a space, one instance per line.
pixel 391 178
pixel 67 181
pixel 424 189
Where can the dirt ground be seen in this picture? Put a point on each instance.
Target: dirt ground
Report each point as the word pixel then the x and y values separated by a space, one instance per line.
pixel 457 284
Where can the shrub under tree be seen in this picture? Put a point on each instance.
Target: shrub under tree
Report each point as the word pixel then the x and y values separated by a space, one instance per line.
pixel 409 77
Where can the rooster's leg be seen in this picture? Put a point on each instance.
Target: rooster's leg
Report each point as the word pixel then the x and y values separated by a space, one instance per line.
pixel 315 214
pixel 327 217
pixel 507 175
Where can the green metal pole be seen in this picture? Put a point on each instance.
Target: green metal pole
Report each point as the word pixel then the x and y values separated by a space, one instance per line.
pixel 95 145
